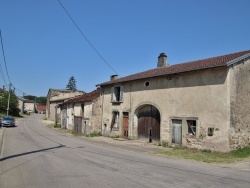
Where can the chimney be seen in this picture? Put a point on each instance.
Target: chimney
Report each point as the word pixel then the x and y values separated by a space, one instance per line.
pixel 113 77
pixel 162 61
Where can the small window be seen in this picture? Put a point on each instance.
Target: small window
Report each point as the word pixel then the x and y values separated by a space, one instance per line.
pixel 115 121
pixel 210 131
pixel 146 84
pixel 191 127
pixel 117 94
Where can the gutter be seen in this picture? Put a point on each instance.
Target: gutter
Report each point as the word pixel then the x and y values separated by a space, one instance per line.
pixel 238 59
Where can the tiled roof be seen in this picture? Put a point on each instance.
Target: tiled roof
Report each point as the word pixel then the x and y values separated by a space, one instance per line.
pixel 85 97
pixel 2 90
pixel 183 67
pixel 41 107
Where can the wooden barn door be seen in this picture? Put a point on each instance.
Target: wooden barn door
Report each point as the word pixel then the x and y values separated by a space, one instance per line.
pixel 125 124
pixel 149 123
pixel 78 125
pixel 64 118
pixel 176 131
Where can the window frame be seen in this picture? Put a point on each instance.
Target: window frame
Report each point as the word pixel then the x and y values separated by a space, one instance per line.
pixel 117 94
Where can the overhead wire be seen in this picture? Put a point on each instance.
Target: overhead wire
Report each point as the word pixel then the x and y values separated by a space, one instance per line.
pixel 1 69
pixel 86 38
pixel 4 57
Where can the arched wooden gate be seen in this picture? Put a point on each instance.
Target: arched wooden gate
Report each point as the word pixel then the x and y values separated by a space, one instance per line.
pixel 149 123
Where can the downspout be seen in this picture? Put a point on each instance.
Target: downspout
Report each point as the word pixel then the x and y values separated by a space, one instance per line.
pixel 102 92
pixel 55 116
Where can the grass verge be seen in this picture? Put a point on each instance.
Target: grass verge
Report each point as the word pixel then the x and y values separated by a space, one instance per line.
pixel 207 155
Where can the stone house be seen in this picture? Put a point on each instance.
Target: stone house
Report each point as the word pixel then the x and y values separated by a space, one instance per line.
pixel 56 97
pixel 202 104
pixel 83 113
pixel 41 109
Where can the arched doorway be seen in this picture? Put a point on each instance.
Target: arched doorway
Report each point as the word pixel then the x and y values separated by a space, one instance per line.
pixel 149 123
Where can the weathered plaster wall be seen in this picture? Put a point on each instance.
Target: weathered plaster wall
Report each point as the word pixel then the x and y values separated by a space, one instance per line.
pixel 55 97
pixel 96 115
pixel 240 105
pixel 198 94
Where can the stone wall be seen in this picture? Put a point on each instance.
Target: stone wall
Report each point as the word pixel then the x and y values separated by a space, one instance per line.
pixel 239 134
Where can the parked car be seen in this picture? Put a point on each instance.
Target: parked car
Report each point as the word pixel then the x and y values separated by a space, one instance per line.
pixel 8 121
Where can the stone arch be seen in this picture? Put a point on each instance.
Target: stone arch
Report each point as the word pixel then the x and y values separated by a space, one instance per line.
pixel 147 122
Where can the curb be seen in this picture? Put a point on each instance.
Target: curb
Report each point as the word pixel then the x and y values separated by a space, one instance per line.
pixel 2 131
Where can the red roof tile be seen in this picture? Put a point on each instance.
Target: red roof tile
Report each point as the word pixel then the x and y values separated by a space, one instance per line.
pixel 85 97
pixel 183 67
pixel 41 107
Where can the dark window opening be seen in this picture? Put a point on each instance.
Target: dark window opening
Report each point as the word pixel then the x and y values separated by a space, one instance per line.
pixel 117 94
pixel 191 127
pixel 146 84
pixel 115 121
pixel 210 131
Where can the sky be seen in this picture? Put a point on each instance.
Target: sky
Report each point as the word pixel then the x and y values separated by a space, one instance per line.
pixel 43 48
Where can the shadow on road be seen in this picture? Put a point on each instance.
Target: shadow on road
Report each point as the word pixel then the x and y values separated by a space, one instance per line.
pixel 27 153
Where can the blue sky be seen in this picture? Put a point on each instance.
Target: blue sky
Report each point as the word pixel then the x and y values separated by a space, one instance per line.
pixel 43 48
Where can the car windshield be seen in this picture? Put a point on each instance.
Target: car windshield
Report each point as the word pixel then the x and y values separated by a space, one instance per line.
pixel 7 118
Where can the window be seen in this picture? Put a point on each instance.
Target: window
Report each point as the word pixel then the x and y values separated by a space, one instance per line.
pixel 210 131
pixel 191 127
pixel 117 94
pixel 146 84
pixel 115 121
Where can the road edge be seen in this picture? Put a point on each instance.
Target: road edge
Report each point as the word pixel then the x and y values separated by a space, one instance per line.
pixel 1 139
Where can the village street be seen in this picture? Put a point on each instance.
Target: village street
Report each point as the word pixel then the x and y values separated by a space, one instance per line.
pixel 36 156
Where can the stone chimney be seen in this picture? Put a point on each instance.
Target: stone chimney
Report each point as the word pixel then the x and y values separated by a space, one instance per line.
pixel 113 77
pixel 162 61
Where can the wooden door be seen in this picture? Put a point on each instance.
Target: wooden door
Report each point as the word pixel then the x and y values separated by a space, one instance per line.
pixel 176 131
pixel 149 123
pixel 78 125
pixel 125 124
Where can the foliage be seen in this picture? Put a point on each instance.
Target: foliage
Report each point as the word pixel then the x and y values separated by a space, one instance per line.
pixel 72 84
pixel 94 134
pixel 39 100
pixel 207 155
pixel 13 105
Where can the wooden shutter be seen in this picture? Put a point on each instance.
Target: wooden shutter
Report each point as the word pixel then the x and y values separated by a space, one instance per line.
pixel 112 94
pixel 121 93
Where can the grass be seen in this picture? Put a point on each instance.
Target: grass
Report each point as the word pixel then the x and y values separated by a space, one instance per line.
pixel 94 134
pixel 207 155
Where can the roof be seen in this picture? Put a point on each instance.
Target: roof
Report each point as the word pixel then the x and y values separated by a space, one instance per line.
pixel 2 90
pixel 41 107
pixel 224 60
pixel 85 97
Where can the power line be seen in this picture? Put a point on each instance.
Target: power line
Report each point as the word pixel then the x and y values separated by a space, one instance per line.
pixel 86 38
pixel 4 58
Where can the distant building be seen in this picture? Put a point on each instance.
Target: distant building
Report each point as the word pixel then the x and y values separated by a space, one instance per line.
pixel 56 97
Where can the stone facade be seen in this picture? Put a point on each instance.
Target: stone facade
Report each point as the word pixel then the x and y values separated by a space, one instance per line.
pixel 55 97
pixel 239 133
pixel 204 108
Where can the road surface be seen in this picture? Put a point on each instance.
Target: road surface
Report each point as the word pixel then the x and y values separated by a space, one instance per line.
pixel 36 156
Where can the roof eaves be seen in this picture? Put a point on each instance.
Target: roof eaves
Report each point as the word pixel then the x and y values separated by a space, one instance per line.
pixel 162 74
pixel 238 59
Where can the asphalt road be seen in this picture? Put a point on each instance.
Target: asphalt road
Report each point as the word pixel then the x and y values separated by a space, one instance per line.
pixel 36 156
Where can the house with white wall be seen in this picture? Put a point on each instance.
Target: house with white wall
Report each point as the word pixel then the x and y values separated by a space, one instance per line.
pixel 82 113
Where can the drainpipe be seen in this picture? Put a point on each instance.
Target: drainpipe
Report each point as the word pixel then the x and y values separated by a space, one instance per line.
pixel 55 115
pixel 102 92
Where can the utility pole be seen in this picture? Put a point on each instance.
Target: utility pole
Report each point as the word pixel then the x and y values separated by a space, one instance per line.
pixel 8 100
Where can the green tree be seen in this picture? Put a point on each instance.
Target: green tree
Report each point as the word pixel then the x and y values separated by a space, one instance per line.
pixel 13 105
pixel 42 100
pixel 72 84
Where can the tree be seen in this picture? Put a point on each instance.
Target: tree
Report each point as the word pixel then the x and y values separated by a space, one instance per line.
pixel 13 106
pixel 72 84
